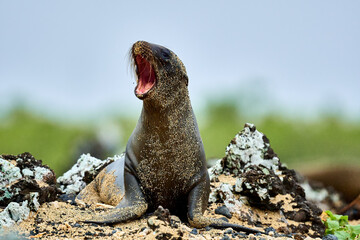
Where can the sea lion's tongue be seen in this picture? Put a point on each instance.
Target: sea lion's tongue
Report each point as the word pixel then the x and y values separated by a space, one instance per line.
pixel 146 76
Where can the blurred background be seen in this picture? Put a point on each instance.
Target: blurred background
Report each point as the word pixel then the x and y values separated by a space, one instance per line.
pixel 291 68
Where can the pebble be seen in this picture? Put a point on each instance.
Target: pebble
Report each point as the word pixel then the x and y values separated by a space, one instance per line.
pixel 197 237
pixel 76 225
pixel 185 228
pixel 194 231
pixel 153 222
pixel 298 237
pixel 145 232
pixel 208 228
pixel 226 237
pixel 223 210
pixel 119 234
pixel 330 237
pixel 228 231
pixel 225 219
pixel 88 233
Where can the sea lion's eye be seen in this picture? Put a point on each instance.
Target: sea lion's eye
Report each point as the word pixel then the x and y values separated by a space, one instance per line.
pixel 165 54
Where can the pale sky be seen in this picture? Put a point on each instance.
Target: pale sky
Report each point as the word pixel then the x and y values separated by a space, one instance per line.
pixel 70 57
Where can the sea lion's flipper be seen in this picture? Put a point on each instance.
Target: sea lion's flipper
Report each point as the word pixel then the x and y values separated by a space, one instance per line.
pixel 197 203
pixel 132 206
pixel 108 187
pixel 89 194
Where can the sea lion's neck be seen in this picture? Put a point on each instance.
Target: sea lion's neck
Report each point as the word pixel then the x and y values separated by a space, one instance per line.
pixel 176 106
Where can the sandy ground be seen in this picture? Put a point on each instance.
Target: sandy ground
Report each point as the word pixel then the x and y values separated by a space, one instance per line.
pixel 62 220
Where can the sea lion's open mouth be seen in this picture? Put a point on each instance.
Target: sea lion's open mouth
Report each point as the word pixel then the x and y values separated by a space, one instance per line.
pixel 146 76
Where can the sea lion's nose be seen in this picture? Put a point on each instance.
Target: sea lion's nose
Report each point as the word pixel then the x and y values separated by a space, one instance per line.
pixel 140 47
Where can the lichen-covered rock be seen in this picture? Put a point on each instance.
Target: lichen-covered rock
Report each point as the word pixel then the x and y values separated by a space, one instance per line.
pixel 325 197
pixel 14 213
pixel 262 178
pixel 225 193
pixel 82 173
pixel 251 148
pixel 23 178
pixel 25 183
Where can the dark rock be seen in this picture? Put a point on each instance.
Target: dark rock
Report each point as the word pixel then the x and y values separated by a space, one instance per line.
pixel 283 230
pixel 194 231
pixel 301 228
pixel 76 225
pixel 70 198
pixel 301 216
pixel 225 219
pixel 298 236
pixel 162 214
pixel 30 172
pixel 163 236
pixel 262 176
pixel 330 237
pixel 223 210
pixel 208 228
pixel 153 222
pixel 88 233
pixel 226 237
pixel 270 229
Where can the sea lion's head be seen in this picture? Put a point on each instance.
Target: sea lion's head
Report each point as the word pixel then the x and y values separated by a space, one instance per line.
pixel 160 73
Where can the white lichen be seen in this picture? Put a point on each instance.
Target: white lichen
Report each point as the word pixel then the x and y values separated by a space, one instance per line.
pixel 319 195
pixel 27 172
pixel 8 173
pixel 263 193
pixel 14 213
pixel 34 201
pixel 238 184
pixel 226 194
pixel 248 149
pixel 214 196
pixel 215 170
pixel 40 172
pixel 72 180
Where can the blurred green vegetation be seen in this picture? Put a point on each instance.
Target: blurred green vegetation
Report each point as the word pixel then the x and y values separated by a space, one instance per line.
pixel 329 139
pixel 54 143
pixel 297 141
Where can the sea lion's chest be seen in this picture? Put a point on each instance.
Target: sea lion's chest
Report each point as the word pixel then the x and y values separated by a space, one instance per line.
pixel 167 164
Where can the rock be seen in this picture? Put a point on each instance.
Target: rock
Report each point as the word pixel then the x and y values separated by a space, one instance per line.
pixel 153 222
pixel 162 214
pixel 82 173
pixel 14 213
pixel 22 177
pixel 225 193
pixel 298 236
pixel 25 183
pixel 263 180
pixel 145 232
pixel 330 237
pixel 270 231
pixel 215 170
pixel 228 231
pixel 223 210
pixel 225 237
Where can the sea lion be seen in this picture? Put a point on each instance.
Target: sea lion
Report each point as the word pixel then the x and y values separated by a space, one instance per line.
pixel 164 162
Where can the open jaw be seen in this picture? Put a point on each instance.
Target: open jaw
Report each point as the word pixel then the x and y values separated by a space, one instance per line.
pixel 146 76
